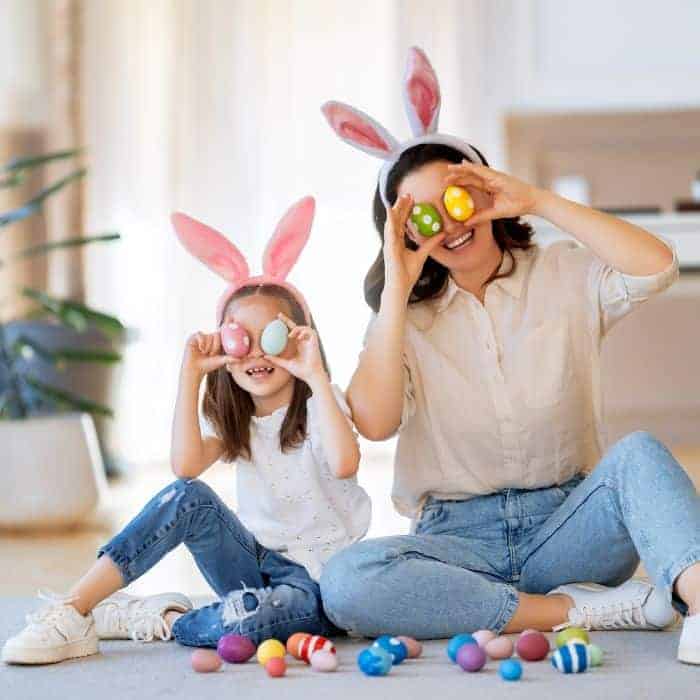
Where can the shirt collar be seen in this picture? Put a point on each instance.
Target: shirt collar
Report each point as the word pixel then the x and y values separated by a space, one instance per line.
pixel 513 284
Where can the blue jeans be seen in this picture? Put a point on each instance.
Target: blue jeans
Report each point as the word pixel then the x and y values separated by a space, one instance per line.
pixel 463 568
pixel 263 594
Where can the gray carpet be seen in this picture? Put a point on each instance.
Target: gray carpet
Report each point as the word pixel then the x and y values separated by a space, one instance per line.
pixel 637 665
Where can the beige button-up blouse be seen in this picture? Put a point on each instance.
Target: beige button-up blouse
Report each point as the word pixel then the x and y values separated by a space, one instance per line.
pixel 507 394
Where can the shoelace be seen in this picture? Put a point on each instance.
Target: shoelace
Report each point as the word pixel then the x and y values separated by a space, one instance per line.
pixel 133 620
pixel 53 612
pixel 620 615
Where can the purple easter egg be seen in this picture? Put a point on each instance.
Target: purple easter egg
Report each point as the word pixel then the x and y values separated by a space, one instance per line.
pixel 471 657
pixel 235 649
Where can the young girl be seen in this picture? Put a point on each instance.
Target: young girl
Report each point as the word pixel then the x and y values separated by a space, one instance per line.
pixel 273 411
pixel 484 355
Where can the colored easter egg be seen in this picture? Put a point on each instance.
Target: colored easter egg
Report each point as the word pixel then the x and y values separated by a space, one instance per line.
pixel 456 642
pixel 596 654
pixel 235 340
pixel 235 649
pixel 394 646
pixel 274 337
pixel 511 670
pixel 533 646
pixel 499 648
pixel 276 667
pixel 324 661
pixel 307 646
pixel 483 637
pixel 572 634
pixel 471 657
pixel 413 647
pixel 205 661
pixel 426 218
pixel 294 643
pixel 458 202
pixel 375 662
pixel 572 658
pixel 270 649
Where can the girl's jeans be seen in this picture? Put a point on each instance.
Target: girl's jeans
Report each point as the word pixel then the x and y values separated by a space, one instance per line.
pixel 463 568
pixel 263 594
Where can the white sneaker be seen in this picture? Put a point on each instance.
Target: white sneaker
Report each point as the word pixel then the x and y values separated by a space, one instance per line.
pixel 123 616
pixel 55 633
pixel 635 605
pixel 689 646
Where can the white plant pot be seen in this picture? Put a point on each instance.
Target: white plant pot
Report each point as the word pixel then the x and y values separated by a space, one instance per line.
pixel 52 473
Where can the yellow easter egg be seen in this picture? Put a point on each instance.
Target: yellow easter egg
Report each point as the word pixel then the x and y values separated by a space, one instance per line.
pixel 270 649
pixel 458 202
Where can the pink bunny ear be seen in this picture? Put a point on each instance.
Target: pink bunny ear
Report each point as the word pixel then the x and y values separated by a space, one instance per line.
pixel 289 239
pixel 421 93
pixel 359 129
pixel 211 247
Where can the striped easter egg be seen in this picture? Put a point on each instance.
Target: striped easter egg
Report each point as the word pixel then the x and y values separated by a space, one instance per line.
pixel 311 644
pixel 571 658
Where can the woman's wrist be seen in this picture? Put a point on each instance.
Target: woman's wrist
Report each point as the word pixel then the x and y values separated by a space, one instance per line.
pixel 542 203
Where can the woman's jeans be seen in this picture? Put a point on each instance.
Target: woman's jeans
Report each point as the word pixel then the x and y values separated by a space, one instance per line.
pixel 263 594
pixel 463 568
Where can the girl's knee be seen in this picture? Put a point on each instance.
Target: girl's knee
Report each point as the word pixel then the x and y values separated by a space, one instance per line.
pixel 640 453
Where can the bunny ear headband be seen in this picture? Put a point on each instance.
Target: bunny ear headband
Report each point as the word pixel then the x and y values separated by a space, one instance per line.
pixel 422 103
pixel 223 258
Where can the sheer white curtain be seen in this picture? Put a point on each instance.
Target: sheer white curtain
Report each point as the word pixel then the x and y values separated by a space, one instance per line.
pixel 212 107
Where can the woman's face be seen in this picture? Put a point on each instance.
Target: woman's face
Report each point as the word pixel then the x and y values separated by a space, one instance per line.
pixel 253 373
pixel 466 248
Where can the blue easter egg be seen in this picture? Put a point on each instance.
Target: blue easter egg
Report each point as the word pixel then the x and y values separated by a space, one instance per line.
pixel 571 658
pixel 394 646
pixel 274 337
pixel 456 642
pixel 511 670
pixel 375 661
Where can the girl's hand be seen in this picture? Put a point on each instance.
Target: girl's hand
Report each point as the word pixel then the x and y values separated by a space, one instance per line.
pixel 203 353
pixel 307 364
pixel 510 197
pixel 403 265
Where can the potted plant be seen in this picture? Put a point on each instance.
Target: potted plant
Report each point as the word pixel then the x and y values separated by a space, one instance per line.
pixel 55 363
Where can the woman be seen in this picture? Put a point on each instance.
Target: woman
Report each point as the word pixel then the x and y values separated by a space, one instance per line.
pixel 484 355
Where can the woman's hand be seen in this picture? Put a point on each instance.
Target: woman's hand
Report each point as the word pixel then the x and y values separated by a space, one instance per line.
pixel 402 265
pixel 203 353
pixel 307 364
pixel 510 197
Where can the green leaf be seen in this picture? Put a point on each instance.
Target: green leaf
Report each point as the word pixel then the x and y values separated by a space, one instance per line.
pixel 28 162
pixel 63 399
pixel 67 243
pixel 76 315
pixel 26 348
pixel 35 203
pixel 13 180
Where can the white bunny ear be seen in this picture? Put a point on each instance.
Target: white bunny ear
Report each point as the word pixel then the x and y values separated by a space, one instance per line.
pixel 421 93
pixel 211 247
pixel 289 239
pixel 359 130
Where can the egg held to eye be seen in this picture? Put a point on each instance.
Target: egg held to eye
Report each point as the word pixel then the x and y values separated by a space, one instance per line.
pixel 235 340
pixel 426 218
pixel 274 337
pixel 458 202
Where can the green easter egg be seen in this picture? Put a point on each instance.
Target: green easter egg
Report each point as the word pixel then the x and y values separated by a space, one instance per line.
pixel 426 219
pixel 572 634
pixel 596 654
pixel 274 337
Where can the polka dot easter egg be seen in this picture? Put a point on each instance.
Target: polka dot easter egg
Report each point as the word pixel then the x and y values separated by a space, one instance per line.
pixel 235 340
pixel 374 661
pixel 426 218
pixel 458 202
pixel 394 646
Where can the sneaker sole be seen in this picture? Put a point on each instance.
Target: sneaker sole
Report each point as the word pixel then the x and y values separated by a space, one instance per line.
pixel 51 655
pixel 689 656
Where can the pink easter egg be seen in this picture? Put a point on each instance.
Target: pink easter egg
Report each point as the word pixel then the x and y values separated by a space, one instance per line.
pixel 499 648
pixel 483 637
pixel 413 646
pixel 533 646
pixel 235 340
pixel 205 661
pixel 324 661
pixel 276 667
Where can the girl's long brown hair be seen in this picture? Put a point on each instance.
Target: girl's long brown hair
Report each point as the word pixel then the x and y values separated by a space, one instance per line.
pixel 229 408
pixel 509 233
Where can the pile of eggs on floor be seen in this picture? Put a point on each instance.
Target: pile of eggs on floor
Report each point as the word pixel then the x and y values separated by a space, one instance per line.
pixel 574 653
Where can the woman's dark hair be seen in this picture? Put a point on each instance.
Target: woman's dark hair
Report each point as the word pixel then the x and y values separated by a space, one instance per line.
pixel 508 233
pixel 229 408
